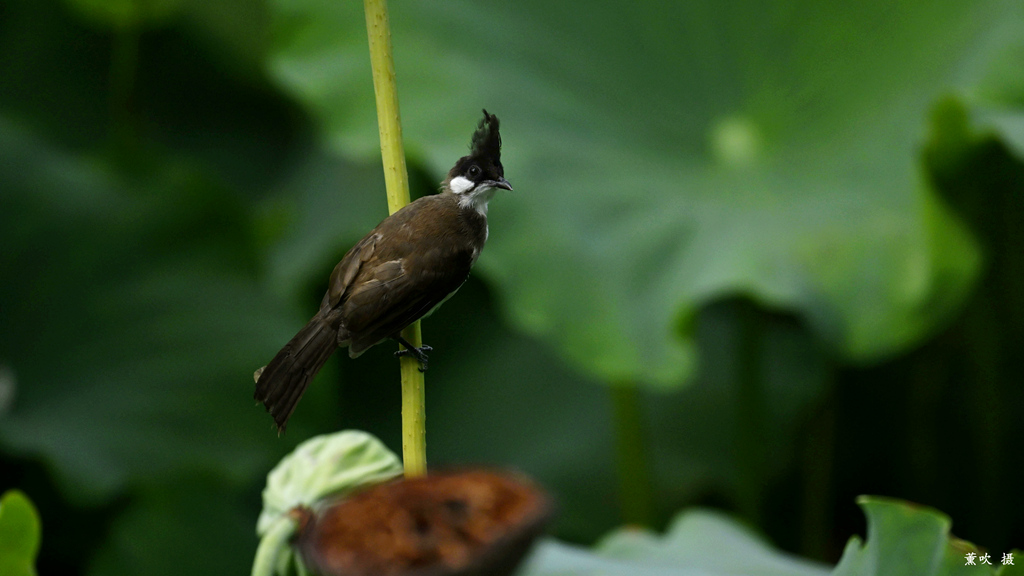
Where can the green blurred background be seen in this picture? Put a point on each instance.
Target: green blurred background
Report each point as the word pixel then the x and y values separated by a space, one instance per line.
pixel 761 256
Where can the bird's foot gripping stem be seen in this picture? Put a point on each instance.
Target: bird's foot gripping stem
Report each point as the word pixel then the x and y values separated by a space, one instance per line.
pixel 419 354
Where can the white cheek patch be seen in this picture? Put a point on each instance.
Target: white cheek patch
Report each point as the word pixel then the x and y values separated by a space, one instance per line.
pixel 460 184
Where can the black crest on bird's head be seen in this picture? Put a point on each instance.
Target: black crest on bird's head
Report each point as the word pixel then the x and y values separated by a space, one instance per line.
pixel 487 139
pixel 484 159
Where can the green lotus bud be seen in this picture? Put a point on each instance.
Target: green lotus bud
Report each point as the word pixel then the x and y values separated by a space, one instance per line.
pixel 328 466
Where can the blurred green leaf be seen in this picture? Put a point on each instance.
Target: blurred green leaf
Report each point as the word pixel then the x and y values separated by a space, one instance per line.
pixel 698 543
pixel 768 149
pixel 907 539
pixel 19 534
pixel 132 319
pixel 903 539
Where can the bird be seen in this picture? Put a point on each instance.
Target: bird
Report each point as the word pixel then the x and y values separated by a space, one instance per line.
pixel 401 271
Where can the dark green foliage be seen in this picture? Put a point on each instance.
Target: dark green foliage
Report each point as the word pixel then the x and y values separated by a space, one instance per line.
pixel 796 227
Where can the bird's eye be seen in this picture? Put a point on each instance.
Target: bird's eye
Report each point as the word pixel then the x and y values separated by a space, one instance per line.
pixel 474 171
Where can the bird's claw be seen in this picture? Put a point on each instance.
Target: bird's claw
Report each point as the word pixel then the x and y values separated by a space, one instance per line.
pixel 420 354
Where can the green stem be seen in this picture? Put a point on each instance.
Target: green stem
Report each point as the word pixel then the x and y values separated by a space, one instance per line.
pixel 273 545
pixel 414 412
pixel 631 455
pixel 396 181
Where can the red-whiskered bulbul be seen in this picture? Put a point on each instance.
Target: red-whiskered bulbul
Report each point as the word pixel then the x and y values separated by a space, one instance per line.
pixel 401 271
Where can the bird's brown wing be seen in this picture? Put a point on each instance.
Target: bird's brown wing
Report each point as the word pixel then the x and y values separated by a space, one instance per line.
pixel 388 241
pixel 393 299
pixel 348 269
pixel 392 277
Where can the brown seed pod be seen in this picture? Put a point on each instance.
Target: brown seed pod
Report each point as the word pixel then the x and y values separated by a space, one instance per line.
pixel 473 523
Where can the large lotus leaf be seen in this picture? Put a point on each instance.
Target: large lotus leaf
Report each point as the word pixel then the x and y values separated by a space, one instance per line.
pixel 906 539
pixel 666 153
pixel 699 543
pixel 128 310
pixel 902 539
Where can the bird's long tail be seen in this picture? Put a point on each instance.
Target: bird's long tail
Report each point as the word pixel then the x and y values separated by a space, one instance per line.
pixel 280 384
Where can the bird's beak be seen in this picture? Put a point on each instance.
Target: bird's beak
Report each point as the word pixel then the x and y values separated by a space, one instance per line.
pixel 503 184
